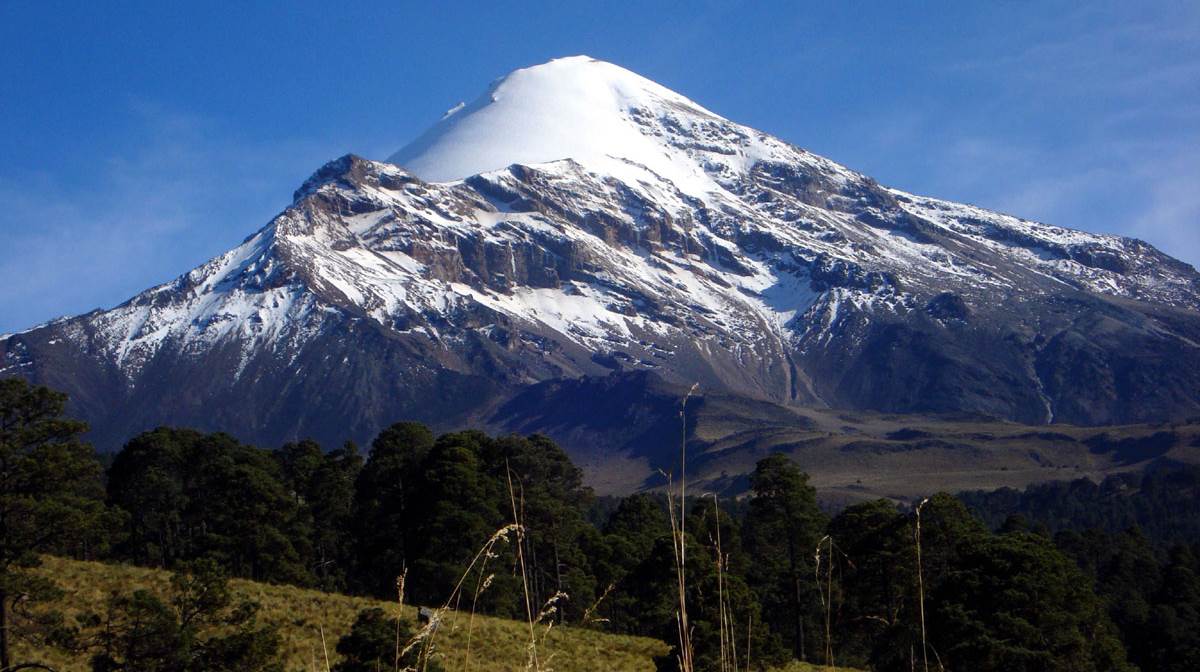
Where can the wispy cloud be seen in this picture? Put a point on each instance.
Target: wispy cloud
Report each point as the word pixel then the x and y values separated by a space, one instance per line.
pixel 183 192
pixel 1091 122
pixel 1171 217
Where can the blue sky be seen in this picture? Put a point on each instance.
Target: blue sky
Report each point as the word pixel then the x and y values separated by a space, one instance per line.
pixel 139 139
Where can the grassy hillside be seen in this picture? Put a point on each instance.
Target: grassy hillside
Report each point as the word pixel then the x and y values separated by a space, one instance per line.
pixel 797 666
pixel 301 615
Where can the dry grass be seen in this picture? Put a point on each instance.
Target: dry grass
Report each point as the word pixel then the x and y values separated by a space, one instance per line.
pixel 300 614
pixel 797 666
pixel 685 654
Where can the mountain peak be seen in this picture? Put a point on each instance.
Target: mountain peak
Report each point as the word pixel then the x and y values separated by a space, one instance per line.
pixel 641 233
pixel 576 107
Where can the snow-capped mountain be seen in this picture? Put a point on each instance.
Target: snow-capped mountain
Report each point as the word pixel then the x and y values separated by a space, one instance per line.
pixel 580 221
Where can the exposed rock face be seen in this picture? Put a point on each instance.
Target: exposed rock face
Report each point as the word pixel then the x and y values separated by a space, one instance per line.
pixel 723 256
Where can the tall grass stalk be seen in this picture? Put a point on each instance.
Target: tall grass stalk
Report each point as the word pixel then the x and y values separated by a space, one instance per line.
pixel 826 594
pixel 399 612
pixel 533 660
pixel 728 637
pixel 324 647
pixel 587 613
pixel 921 588
pixel 829 609
pixel 678 518
pixel 684 655
pixel 426 636
pixel 481 584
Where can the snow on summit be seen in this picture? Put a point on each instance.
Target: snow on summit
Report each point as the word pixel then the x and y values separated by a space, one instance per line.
pixel 579 219
pixel 575 108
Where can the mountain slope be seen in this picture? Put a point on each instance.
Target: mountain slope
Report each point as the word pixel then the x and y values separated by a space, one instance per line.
pixel 624 431
pixel 579 221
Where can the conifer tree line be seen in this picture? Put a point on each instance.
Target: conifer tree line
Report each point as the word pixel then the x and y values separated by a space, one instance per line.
pixel 876 586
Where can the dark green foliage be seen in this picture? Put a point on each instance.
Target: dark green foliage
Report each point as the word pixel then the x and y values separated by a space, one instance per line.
pixel 429 507
pixel 417 505
pixel 1153 598
pixel 298 463
pixel 1172 641
pixel 551 501
pixel 456 510
pixel 709 522
pixel 718 539
pixel 638 523
pixel 323 487
pixel 1013 602
pixel 654 596
pixel 992 602
pixel 189 495
pixel 1163 501
pixel 876 559
pixel 375 643
pixel 199 630
pixel 1134 535
pixel 640 564
pixel 382 524
pixel 51 499
pixel 945 525
pixel 781 531
pixel 424 507
pixel 140 632
pixel 634 526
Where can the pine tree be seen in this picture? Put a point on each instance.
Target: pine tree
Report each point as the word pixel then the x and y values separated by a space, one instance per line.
pixel 188 495
pixel 330 502
pixel 322 485
pixel 376 641
pixel 1014 602
pixel 51 494
pixel 456 510
pixel 781 531
pixel 552 501
pixel 383 493
pixel 630 535
pixel 877 588
pixel 200 629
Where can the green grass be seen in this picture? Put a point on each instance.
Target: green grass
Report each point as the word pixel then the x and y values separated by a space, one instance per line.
pixel 497 644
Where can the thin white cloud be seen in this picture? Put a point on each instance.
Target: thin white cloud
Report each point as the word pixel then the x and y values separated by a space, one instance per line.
pixel 1090 122
pixel 184 193
pixel 1171 218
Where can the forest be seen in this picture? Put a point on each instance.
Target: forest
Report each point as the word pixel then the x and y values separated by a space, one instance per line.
pixel 1077 576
